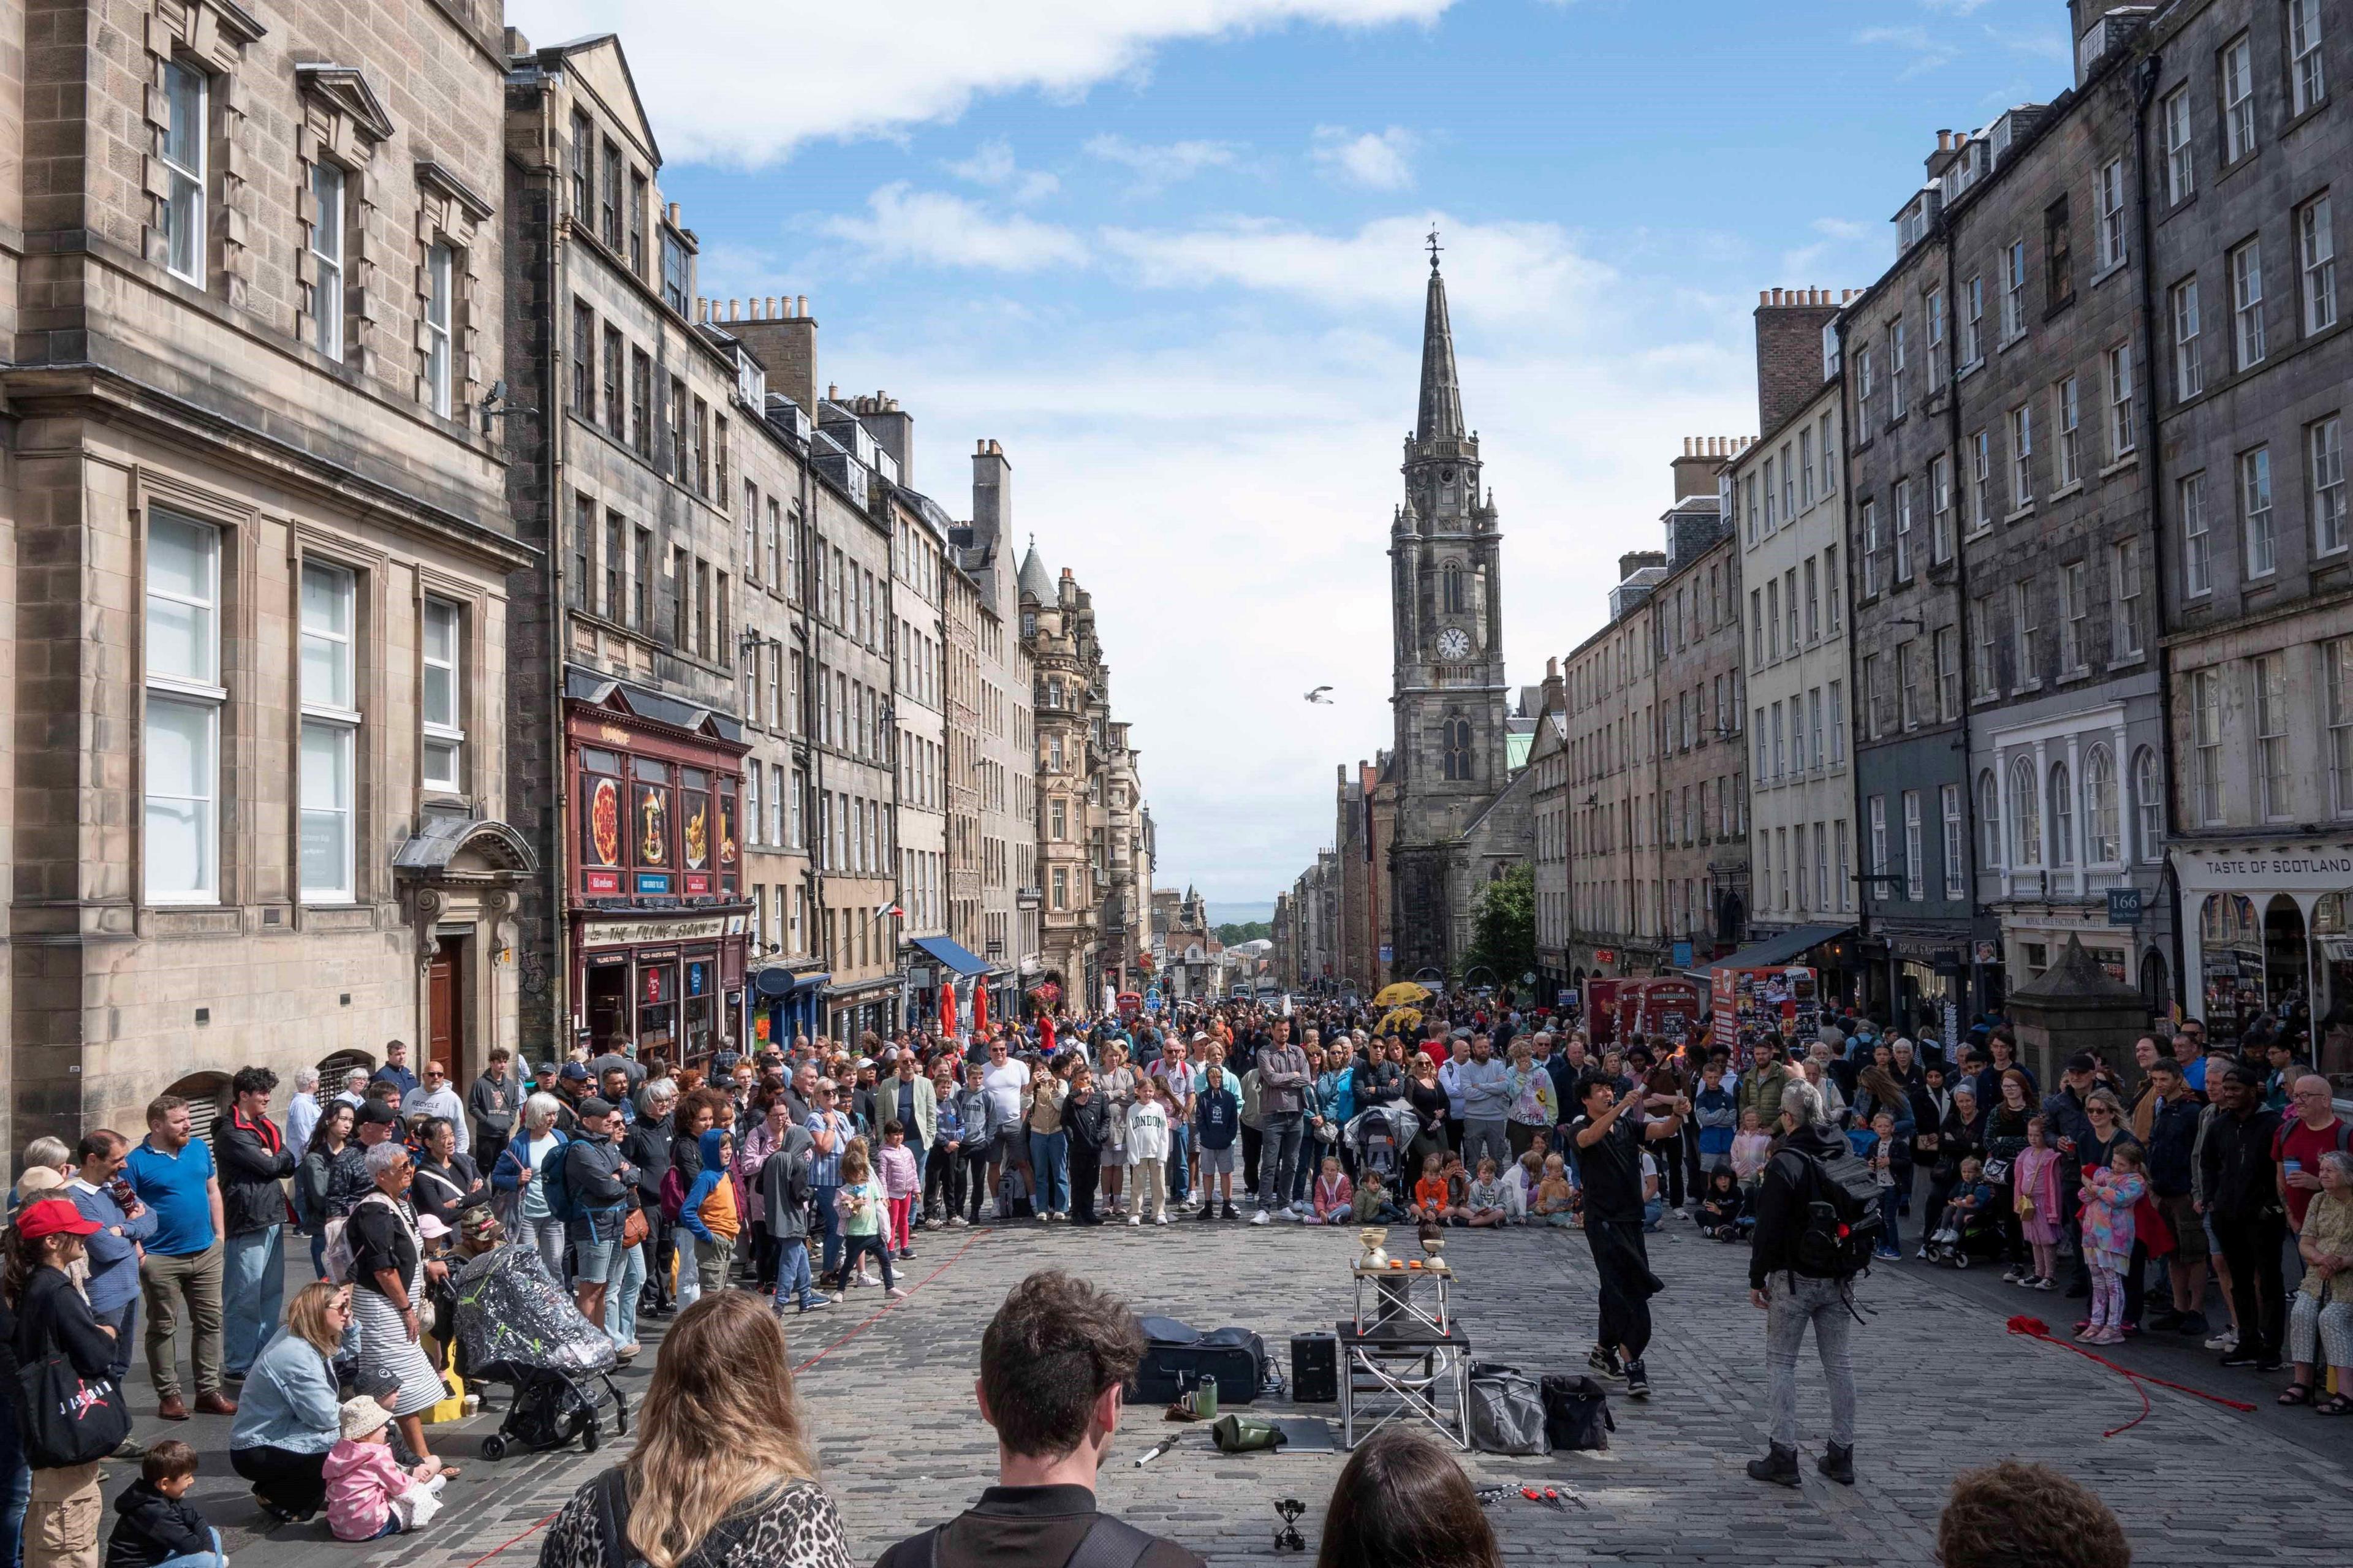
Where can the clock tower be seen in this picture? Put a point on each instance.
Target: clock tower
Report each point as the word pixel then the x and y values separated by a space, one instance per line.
pixel 1446 690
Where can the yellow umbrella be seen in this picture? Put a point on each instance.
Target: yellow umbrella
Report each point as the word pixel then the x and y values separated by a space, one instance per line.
pixel 1399 1021
pixel 1402 994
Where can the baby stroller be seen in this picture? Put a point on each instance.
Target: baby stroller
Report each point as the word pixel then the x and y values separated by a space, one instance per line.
pixel 516 1325
pixel 1380 1137
pixel 1965 1237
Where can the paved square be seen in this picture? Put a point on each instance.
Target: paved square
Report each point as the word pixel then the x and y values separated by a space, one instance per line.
pixel 1943 1385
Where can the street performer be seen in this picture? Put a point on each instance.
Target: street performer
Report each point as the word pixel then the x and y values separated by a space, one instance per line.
pixel 1608 1141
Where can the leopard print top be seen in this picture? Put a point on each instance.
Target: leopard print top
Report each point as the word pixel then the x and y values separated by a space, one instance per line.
pixel 794 1526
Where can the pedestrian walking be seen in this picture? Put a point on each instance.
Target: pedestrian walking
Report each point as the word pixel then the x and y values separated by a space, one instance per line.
pixel 1795 1288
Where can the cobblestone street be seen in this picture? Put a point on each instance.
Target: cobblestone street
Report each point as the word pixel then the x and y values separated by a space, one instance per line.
pixel 1944 1386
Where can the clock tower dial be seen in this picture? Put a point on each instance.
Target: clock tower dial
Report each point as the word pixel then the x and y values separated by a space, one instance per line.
pixel 1454 645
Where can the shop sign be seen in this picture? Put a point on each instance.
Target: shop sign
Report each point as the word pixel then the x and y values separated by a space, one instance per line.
pixel 2323 871
pixel 656 989
pixel 697 979
pixel 602 882
pixel 1682 955
pixel 698 883
pixel 629 934
pixel 653 883
pixel 2124 906
pixel 1605 955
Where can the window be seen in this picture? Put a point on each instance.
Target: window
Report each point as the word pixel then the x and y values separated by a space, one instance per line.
pixel 1936 331
pixel 641 397
pixel 2316 249
pixel 1769 497
pixel 1871 695
pixel 583 359
pixel 2238 99
pixel 584 168
pixel 2022 457
pixel 2308 79
pixel 2247 304
pixel 1990 817
pixel 2102 846
pixel 2197 544
pixel 2270 672
pixel 641 580
pixel 1814 722
pixel 1450 580
pixel 1058 819
pixel 1830 460
pixel 2062 816
pixel 1981 482
pixel 2013 292
pixel 2337 657
pixel 2324 444
pixel 2121 435
pixel 2124 593
pixel 1906 705
pixel 1895 346
pixel 638 198
pixel 1940 508
pixel 608 213
pixel 444 722
pixel 1779 756
pixel 1903 530
pixel 2148 803
pixel 1973 321
pixel 2026 816
pixel 180 738
pixel 330 726
pixel 1949 797
pixel 2181 161
pixel 2188 371
pixel 1813 603
pixel 1806 468
pixel 673 272
pixel 2109 187
pixel 2206 731
pixel 1982 655
pixel 2068 415
pixel 2024 625
pixel 1789 604
pixel 327 184
pixel 2076 599
pixel 1789 485
pixel 1878 840
pixel 187 133
pixel 2255 511
pixel 1944 643
pixel 1914 886
pixel 1870 549
pixel 1458 749
pixel 1061 887
pixel 1838 723
pixel 440 282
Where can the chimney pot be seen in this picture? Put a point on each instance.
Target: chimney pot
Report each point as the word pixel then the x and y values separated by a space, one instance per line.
pixel 701 310
pixel 1764 297
pixel 802 309
pixel 673 214
pixel 734 309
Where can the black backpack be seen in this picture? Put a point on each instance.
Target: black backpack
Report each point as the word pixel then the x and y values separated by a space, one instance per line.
pixel 1840 1222
pixel 1576 1413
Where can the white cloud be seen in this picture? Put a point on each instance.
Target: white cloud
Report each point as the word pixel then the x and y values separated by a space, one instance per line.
pixel 991 164
pixel 933 228
pixel 1858 248
pixel 1377 160
pixel 1929 50
pixel 748 80
pixel 1158 166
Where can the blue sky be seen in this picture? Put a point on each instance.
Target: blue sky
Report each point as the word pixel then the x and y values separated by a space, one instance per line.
pixel 1165 251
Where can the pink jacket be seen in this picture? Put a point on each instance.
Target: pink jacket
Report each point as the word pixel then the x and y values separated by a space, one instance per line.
pixel 361 1480
pixel 2038 1181
pixel 1333 1194
pixel 897 1167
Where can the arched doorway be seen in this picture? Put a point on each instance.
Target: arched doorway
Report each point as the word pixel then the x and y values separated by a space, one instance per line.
pixel 334 1070
pixel 2154 988
pixel 2231 987
pixel 1731 917
pixel 2287 957
pixel 207 1097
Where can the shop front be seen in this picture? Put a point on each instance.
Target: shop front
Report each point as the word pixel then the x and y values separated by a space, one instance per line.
pixel 1928 981
pixel 852 1011
pixel 658 924
pixel 2265 929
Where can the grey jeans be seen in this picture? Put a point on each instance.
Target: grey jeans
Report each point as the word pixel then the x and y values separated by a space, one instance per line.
pixel 1278 1158
pixel 1797 1301
pixel 1484 1137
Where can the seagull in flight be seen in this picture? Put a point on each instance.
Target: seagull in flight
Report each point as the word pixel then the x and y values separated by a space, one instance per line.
pixel 1317 696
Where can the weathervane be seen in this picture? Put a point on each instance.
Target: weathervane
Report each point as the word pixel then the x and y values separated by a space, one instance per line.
pixel 1434 248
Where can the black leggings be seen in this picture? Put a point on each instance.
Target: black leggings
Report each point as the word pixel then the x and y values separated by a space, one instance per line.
pixel 292 1482
pixel 943 1182
pixel 975 1163
pixel 855 1247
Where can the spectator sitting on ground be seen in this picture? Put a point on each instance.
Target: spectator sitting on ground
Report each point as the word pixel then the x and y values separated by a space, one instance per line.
pixel 156 1525
pixel 2012 1514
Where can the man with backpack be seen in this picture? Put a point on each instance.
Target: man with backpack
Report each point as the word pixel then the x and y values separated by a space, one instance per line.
pixel 1817 1218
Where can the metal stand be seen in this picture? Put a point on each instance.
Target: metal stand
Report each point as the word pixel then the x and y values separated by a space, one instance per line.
pixel 1393 1298
pixel 1405 1368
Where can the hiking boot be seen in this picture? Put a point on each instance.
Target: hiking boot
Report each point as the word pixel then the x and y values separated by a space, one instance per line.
pixel 1838 1463
pixel 1778 1466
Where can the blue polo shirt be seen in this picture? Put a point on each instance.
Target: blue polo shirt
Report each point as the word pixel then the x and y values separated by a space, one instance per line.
pixel 177 1189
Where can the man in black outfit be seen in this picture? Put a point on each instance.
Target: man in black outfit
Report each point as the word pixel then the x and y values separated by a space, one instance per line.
pixel 1052 1365
pixel 1608 1141
pixel 2250 1217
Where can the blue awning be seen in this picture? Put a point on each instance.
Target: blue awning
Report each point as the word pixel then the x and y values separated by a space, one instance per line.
pixel 953 954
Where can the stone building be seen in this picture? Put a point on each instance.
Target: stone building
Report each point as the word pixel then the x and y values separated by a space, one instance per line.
pixel 1613 780
pixel 256 551
pixel 1549 814
pixel 2245 127
pixel 1788 499
pixel 1704 900
pixel 934 683
pixel 1362 844
pixel 1005 833
pixel 1448 690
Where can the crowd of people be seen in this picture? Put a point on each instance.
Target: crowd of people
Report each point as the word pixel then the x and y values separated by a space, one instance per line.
pixel 789 1174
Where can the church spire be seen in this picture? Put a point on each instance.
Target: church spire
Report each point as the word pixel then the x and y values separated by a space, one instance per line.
pixel 1441 397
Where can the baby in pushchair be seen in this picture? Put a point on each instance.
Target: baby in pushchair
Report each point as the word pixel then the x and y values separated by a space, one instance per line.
pixel 1970 1230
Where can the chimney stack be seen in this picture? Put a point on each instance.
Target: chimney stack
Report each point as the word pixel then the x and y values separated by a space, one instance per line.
pixel 785 342
pixel 992 494
pixel 1790 351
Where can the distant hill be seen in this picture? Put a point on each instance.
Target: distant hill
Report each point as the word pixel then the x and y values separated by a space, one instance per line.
pixel 1233 934
pixel 1221 915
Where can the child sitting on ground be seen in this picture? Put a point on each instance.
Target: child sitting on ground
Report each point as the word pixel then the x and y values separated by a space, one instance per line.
pixel 156 1524
pixel 1752 1147
pixel 1458 1190
pixel 369 1496
pixel 1526 1171
pixel 901 1183
pixel 1556 1199
pixel 1371 1205
pixel 1430 1204
pixel 1335 1195
pixel 1721 1205
pixel 1485 1203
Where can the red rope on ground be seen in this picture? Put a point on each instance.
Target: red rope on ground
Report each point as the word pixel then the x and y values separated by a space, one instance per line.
pixel 887 1307
pixel 2036 1329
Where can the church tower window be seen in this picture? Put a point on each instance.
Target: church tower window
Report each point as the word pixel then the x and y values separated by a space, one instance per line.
pixel 1457 748
pixel 1453 587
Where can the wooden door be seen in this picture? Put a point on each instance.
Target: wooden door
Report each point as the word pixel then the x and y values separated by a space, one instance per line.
pixel 445 1012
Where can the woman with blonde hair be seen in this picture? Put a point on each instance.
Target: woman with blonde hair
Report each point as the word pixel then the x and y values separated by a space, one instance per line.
pixel 723 1475
pixel 288 1413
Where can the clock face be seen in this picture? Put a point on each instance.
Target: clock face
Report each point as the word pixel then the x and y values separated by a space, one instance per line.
pixel 1453 644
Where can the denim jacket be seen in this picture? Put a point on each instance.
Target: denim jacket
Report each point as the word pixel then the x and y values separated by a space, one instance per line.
pixel 289 1400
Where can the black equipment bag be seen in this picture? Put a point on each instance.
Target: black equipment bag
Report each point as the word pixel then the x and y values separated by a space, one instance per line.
pixel 1577 1413
pixel 1176 1358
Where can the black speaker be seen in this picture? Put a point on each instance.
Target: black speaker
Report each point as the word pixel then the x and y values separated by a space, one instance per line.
pixel 1314 1369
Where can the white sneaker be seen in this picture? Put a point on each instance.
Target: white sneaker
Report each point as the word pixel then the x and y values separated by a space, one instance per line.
pixel 1135 1219
pixel 1260 1218
pixel 895 1293
pixel 1162 1219
pixel 2226 1340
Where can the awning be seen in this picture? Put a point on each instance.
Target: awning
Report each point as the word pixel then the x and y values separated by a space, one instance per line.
pixel 953 954
pixel 1775 952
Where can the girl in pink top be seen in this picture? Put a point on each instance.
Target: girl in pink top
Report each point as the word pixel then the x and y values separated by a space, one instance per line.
pixel 368 1494
pixel 2036 1175
pixel 1334 1194
pixel 895 1163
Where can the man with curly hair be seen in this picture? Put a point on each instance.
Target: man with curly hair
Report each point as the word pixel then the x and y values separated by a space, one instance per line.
pixel 1053 1364
pixel 2013 1513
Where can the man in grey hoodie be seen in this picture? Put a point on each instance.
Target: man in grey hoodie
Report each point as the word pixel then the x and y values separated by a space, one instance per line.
pixel 1283 1083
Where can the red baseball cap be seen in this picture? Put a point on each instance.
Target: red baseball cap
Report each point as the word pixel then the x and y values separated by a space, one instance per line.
pixel 50 1216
